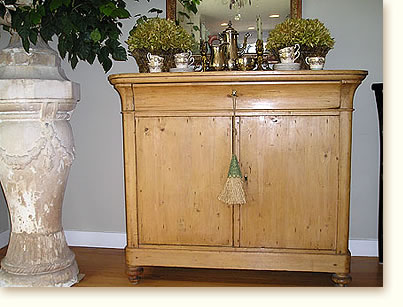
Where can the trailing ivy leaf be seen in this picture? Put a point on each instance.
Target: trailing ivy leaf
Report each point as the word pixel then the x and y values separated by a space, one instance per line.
pixel 119 54
pixel 33 36
pixel 184 14
pixel 83 52
pixel 35 17
pixel 46 34
pixel 112 43
pixel 55 4
pixel 190 5
pixel 104 52
pixel 155 10
pixel 107 9
pixel 67 26
pixel 61 46
pixel 74 61
pixel 91 58
pixel 25 43
pixel 106 64
pixel 41 10
pixel 120 13
pixel 95 35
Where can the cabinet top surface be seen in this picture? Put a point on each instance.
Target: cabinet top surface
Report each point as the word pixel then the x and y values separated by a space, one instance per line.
pixel 239 76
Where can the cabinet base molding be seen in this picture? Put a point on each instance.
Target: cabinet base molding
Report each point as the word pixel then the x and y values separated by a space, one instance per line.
pixel 331 263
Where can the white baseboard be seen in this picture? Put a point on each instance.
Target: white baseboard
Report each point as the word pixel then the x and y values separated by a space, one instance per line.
pixel 95 239
pixel 4 236
pixel 366 248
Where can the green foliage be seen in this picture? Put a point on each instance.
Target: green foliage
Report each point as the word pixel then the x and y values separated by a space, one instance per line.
pixel 190 8
pixel 158 35
pixel 190 5
pixel 86 29
pixel 305 32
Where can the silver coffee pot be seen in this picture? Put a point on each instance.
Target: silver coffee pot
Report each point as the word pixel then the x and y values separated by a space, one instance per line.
pixel 233 52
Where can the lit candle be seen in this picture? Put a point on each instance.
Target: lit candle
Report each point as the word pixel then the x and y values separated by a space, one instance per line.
pixel 259 27
pixel 203 31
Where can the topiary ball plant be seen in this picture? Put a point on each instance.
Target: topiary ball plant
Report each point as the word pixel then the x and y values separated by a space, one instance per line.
pixel 311 34
pixel 158 36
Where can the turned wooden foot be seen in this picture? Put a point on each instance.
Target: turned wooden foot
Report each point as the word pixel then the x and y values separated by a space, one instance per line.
pixel 134 273
pixel 341 279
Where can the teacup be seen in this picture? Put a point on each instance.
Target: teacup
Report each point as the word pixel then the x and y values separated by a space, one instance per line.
pixel 184 59
pixel 316 62
pixel 155 62
pixel 154 68
pixel 289 54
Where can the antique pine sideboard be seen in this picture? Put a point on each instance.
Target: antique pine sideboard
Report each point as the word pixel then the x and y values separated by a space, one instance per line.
pixel 293 142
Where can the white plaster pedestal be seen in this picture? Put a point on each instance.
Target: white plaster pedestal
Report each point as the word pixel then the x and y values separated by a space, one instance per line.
pixel 36 152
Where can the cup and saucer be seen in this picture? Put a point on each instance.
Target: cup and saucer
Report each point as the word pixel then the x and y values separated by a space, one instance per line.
pixel 182 69
pixel 287 66
pixel 184 62
pixel 288 55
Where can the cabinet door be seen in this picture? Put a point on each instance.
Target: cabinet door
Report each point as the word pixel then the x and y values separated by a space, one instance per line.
pixel 182 165
pixel 291 163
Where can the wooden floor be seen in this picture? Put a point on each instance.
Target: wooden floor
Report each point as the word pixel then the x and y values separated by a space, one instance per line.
pixel 106 268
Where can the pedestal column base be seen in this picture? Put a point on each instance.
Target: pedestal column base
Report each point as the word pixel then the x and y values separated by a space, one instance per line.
pixel 63 278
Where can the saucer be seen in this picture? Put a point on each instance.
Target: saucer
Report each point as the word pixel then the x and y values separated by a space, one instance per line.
pixel 187 69
pixel 287 66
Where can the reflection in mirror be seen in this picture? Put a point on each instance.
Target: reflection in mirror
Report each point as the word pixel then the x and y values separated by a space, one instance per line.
pixel 257 17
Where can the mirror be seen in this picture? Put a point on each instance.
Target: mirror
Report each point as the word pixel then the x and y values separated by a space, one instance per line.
pixel 213 17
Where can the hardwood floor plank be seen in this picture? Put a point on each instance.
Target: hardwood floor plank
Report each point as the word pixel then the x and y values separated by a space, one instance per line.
pixel 106 268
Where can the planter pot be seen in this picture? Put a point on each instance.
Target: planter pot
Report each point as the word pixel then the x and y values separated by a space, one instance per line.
pixel 36 152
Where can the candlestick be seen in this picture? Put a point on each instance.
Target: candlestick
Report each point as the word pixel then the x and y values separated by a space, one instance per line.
pixel 203 31
pixel 259 53
pixel 259 27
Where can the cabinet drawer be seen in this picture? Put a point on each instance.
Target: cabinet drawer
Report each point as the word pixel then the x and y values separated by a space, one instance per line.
pixel 256 96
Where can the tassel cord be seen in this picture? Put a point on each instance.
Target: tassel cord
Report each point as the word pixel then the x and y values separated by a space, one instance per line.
pixel 234 96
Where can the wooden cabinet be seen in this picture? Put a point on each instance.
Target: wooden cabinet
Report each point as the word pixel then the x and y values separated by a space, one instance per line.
pixel 293 142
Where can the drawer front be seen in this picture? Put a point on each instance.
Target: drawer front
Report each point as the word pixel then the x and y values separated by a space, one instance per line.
pixel 251 96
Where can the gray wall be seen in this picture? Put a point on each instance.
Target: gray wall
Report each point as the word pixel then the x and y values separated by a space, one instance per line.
pixel 4 223
pixel 94 200
pixel 357 28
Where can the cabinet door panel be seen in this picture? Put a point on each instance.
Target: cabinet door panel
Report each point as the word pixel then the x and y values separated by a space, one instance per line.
pixel 292 190
pixel 182 164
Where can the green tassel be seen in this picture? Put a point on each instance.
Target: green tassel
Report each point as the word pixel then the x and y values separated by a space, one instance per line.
pixel 234 169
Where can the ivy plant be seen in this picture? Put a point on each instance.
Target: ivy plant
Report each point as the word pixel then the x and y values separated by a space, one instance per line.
pixel 86 29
